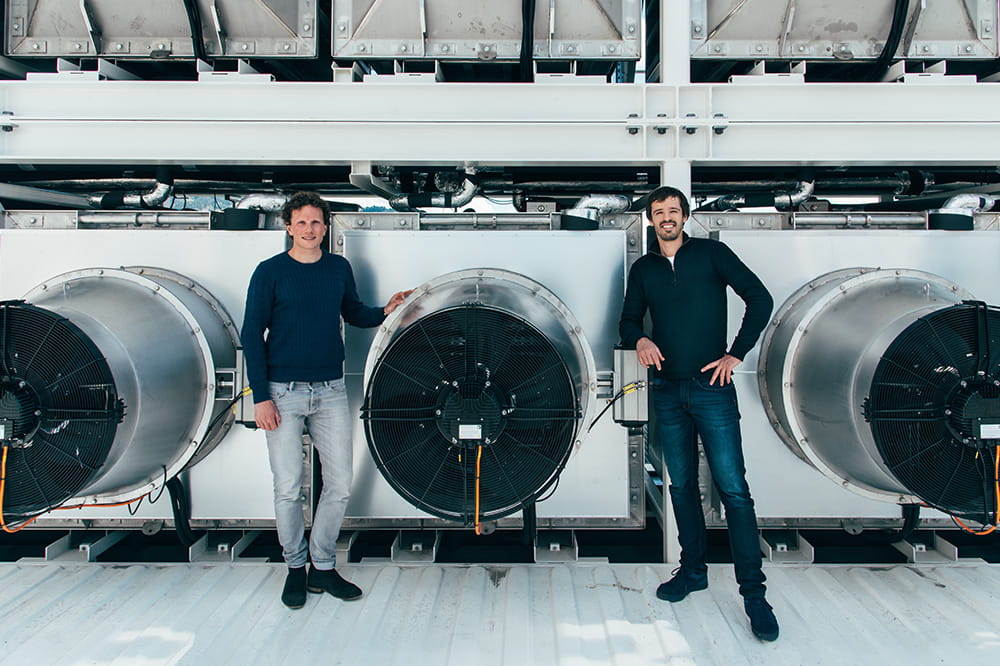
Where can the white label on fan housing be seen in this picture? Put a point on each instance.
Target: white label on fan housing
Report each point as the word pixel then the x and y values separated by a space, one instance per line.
pixel 470 431
pixel 989 431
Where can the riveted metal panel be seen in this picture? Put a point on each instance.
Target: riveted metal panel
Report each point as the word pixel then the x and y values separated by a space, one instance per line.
pixel 485 31
pixel 143 29
pixel 838 30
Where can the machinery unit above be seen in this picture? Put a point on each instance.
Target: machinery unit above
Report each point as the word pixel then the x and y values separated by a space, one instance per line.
pixel 484 31
pixel 844 31
pixel 160 30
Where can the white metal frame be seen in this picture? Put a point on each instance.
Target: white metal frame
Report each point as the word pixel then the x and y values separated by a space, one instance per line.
pixel 760 120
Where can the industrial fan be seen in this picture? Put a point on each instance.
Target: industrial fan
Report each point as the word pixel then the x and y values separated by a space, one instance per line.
pixel 934 408
pixel 59 410
pixel 471 412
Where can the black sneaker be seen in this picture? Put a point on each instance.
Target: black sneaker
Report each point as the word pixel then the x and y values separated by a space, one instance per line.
pixel 331 581
pixel 762 621
pixel 683 583
pixel 294 593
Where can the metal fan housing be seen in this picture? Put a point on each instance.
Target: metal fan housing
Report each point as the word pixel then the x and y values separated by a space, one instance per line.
pixel 109 376
pixel 477 387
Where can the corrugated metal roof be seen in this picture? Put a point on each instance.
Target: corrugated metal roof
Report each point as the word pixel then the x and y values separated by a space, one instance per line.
pixel 568 614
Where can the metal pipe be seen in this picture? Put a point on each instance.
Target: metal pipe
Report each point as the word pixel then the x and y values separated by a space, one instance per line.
pixel 162 188
pixel 847 220
pixel 144 219
pixel 408 202
pixel 793 199
pixel 268 202
pixel 978 203
pixel 596 206
pixel 154 197
pixel 36 195
pixel 485 220
pixel 785 201
pixel 864 185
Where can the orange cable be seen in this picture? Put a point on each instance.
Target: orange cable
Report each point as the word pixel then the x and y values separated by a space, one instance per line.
pixel 479 456
pixel 3 483
pixel 996 506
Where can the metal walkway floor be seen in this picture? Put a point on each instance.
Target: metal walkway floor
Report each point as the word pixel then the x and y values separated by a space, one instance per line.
pixel 567 614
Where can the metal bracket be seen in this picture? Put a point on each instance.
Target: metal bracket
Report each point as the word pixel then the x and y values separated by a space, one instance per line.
pixel 226 384
pixel 244 73
pixel 81 546
pixel 556 546
pixel 938 551
pixel 67 70
pixel 223 547
pixel 785 546
pixel 344 543
pixel 362 178
pixel 416 546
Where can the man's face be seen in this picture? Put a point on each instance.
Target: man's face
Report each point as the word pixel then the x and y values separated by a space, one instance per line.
pixel 668 218
pixel 306 227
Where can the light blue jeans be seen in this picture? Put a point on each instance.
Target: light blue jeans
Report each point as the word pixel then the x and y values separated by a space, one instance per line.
pixel 321 407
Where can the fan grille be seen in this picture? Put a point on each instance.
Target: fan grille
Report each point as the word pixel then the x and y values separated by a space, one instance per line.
pixel 58 397
pixel 936 379
pixel 463 378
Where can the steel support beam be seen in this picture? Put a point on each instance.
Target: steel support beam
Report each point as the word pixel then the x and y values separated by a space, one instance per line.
pixel 768 122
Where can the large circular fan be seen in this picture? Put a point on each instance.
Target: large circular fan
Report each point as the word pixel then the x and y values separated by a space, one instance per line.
pixel 58 406
pixel 934 386
pixel 471 401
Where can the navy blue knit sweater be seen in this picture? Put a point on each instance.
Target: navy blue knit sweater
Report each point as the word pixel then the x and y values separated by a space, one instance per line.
pixel 687 305
pixel 299 306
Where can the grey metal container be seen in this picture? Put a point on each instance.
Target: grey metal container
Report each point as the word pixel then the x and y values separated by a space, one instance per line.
pixel 154 29
pixel 482 31
pixel 839 30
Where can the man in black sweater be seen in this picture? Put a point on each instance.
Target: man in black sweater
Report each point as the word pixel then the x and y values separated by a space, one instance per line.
pixel 295 360
pixel 682 281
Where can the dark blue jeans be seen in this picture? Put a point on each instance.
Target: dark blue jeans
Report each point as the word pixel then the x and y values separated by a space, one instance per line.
pixel 684 410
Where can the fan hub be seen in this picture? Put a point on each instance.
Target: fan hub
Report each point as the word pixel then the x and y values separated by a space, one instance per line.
pixel 20 407
pixel 970 402
pixel 471 413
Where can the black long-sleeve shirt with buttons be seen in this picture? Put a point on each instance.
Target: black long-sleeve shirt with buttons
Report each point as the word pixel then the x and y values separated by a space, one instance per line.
pixel 687 305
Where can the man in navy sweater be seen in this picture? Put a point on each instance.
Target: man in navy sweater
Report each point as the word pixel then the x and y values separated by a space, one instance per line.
pixel 295 360
pixel 682 282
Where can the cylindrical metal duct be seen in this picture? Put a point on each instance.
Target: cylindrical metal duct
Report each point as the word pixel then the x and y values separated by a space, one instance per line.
pixel 111 376
pixel 863 373
pixel 476 390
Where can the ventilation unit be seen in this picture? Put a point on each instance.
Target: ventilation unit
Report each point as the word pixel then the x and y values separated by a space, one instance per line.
pixel 108 386
pixel 476 390
pixel 888 382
